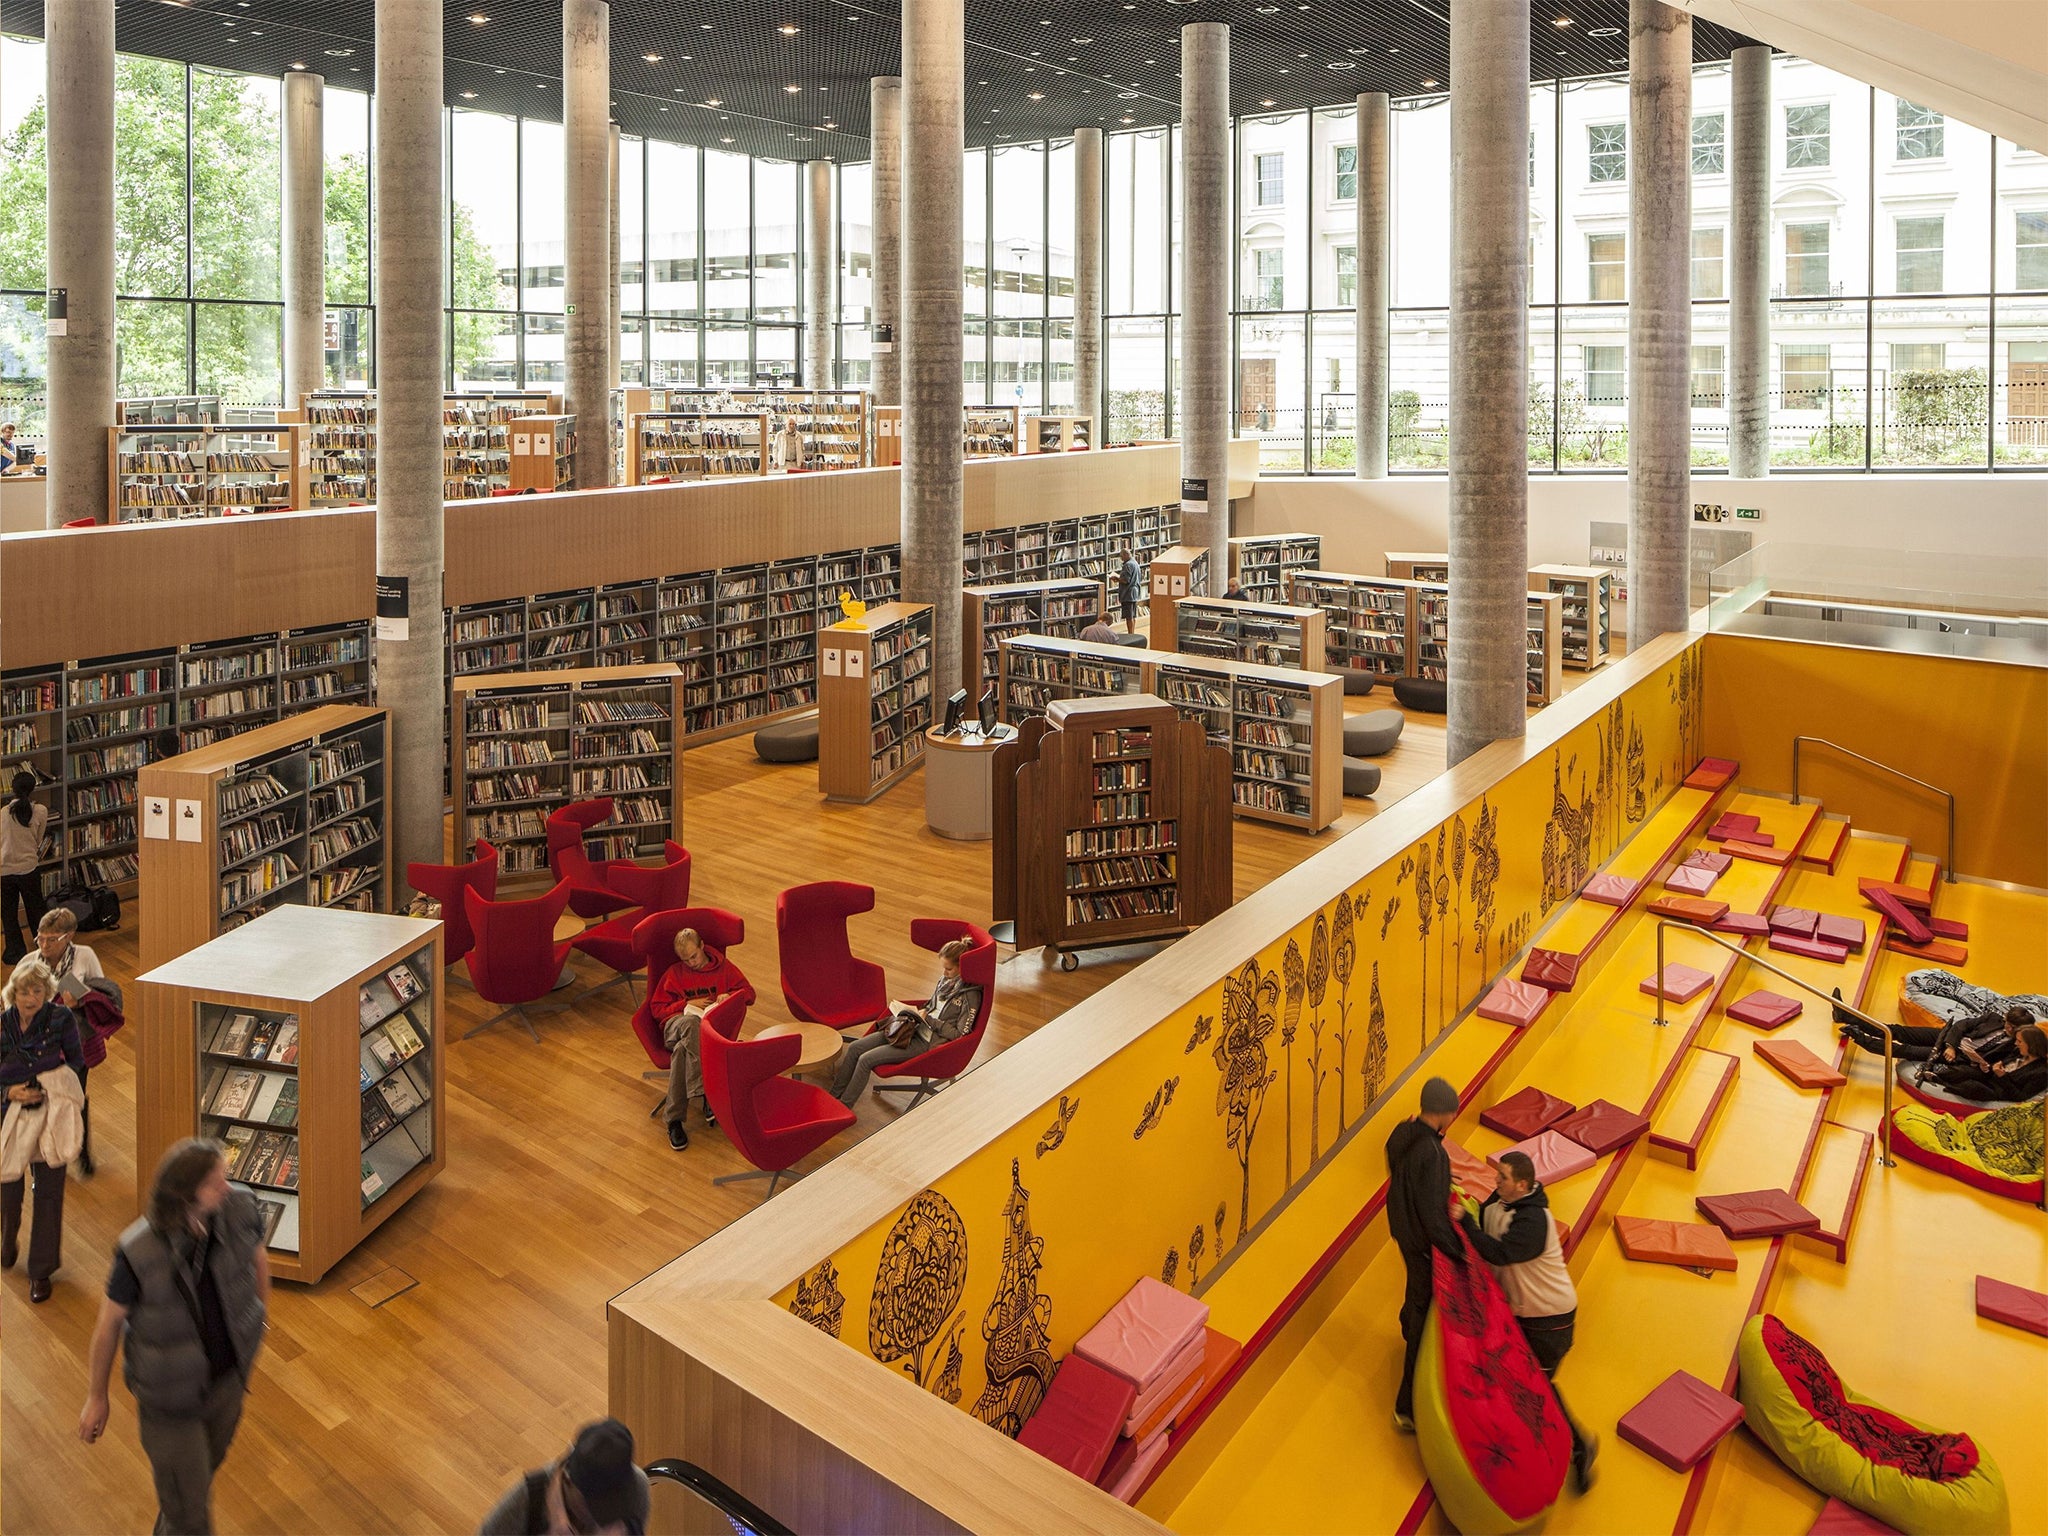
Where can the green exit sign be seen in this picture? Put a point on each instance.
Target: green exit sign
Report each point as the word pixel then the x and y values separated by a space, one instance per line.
pixel 1749 514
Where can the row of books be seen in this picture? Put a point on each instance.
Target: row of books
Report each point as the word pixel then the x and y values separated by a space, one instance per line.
pixel 1099 874
pixel 1117 906
pixel 1096 842
pixel 268 1158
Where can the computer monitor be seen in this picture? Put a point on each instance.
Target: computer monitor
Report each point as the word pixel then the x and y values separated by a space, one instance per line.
pixel 956 706
pixel 986 707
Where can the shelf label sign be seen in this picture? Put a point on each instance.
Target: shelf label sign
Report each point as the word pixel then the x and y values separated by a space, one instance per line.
pixel 394 607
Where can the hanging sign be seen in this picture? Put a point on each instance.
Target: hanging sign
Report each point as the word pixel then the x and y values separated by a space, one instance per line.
pixel 394 607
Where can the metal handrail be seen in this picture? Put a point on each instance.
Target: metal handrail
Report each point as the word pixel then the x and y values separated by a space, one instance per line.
pixel 1884 1131
pixel 1948 868
pixel 744 1513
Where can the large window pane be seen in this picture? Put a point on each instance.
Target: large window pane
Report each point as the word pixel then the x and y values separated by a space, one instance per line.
pixel 673 345
pixel 24 363
pixel 546 343
pixel 1270 403
pixel 352 350
pixel 1017 370
pixel 1134 375
pixel 2019 406
pixel 151 348
pixel 1137 223
pixel 632 350
pixel 238 351
pixel 1933 185
pixel 484 211
pixel 149 180
pixel 1543 224
pixel 1592 407
pixel 974 229
pixel 775 348
pixel 1274 213
pixel 856 244
pixel 728 224
pixel 23 189
pixel 1932 395
pixel 1708 279
pixel 542 283
pixel 726 358
pixel 1059 229
pixel 1607 266
pixel 486 350
pixel 1418 389
pixel 237 184
pixel 1807 270
pixel 632 226
pixel 974 363
pixel 1819 407
pixel 1059 378
pixel 672 231
pixel 1709 386
pixel 1018 255
pixel 346 146
pixel 775 239
pixel 1333 390
pixel 1542 444
pixel 1917 250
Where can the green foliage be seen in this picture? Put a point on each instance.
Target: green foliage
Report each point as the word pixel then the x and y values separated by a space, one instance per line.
pixel 1136 413
pixel 1937 416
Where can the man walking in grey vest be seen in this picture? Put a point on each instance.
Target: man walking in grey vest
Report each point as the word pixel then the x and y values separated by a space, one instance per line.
pixel 187 1302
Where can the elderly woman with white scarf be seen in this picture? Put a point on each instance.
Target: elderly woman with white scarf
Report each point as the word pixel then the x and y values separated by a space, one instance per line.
pixel 40 1055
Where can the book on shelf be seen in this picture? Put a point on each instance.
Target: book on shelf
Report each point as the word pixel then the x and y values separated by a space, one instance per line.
pixel 377 1117
pixel 286 1110
pixel 260 1037
pixel 403 983
pixel 236 1095
pixel 233 1039
pixel 236 1141
pixel 401 1094
pixel 376 1000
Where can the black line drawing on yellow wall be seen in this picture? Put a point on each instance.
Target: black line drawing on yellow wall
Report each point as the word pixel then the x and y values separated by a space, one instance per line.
pixel 948 1384
pixel 1607 788
pixel 918 1281
pixel 1425 915
pixel 1318 984
pixel 1638 806
pixel 1343 959
pixel 1374 1068
pixel 1294 984
pixel 1485 858
pixel 1567 837
pixel 1195 1246
pixel 1018 1323
pixel 818 1300
pixel 1149 1120
pixel 1056 1133
pixel 1251 999
pixel 1394 901
pixel 1171 1268
pixel 1202 1026
pixel 1222 1215
pixel 1455 927
pixel 1443 910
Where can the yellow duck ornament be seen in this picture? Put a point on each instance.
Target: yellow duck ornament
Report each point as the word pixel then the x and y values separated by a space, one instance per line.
pixel 854 609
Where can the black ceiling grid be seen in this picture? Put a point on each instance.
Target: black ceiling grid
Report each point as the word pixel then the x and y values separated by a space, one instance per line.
pixel 788 79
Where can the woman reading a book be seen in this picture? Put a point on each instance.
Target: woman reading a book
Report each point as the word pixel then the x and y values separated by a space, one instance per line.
pixel 913 1028
pixel 699 977
pixel 38 1034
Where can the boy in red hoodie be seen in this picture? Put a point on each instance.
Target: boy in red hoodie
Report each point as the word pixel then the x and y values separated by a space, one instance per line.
pixel 700 977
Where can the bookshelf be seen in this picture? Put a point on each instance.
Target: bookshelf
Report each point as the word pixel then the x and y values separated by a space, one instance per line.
pixel 146 410
pixel 476 442
pixel 697 445
pixel 294 811
pixel 1033 672
pixel 874 700
pixel 528 743
pixel 1413 567
pixel 1588 619
pixel 1429 628
pixel 1546 646
pixel 990 615
pixel 990 431
pixel 1365 620
pixel 542 454
pixel 164 472
pixel 1178 571
pixel 1273 634
pixel 1120 827
pixel 1284 729
pixel 32 739
pixel 1058 434
pixel 309 1042
pixel 1262 564
pixel 626 619
pixel 341 449
pixel 833 423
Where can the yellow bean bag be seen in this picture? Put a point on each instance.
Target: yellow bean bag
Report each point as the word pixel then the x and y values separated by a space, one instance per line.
pixel 1918 1480
pixel 1996 1149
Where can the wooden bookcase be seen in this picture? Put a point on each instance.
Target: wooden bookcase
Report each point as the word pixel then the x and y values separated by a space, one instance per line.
pixel 1178 571
pixel 162 473
pixel 1058 434
pixel 1546 647
pixel 476 443
pixel 1273 634
pixel 833 422
pixel 990 615
pixel 1424 567
pixel 296 812
pixel 145 410
pixel 525 744
pixel 874 700
pixel 341 449
pixel 1262 563
pixel 1588 593
pixel 1072 546
pixel 1429 629
pixel 541 453
pixel 288 1039
pixel 697 445
pixel 989 431
pixel 1121 827
pixel 1365 620
pixel 1033 672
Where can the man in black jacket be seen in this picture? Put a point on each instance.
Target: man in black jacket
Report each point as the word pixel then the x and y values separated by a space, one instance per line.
pixel 1419 1220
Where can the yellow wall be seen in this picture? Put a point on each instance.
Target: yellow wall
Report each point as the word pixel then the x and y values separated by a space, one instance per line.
pixel 1164 1159
pixel 1977 728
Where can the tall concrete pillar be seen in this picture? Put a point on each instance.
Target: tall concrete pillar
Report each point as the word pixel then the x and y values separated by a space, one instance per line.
pixel 1489 470
pixel 885 146
pixel 1749 264
pixel 305 235
pixel 78 53
pixel 1088 277
pixel 586 251
pixel 1659 317
pixel 410 334
pixel 1374 207
pixel 933 150
pixel 1208 257
pixel 821 272
pixel 614 341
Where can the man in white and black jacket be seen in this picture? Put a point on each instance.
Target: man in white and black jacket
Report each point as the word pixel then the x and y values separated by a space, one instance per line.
pixel 1516 1234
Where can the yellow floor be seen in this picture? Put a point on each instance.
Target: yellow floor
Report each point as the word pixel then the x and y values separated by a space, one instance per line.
pixel 1328 1411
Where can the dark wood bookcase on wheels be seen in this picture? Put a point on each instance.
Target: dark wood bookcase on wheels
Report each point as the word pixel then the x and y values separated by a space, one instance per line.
pixel 874 700
pixel 308 1042
pixel 1120 828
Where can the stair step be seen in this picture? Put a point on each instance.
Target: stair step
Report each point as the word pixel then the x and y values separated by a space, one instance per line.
pixel 1835 1182
pixel 1694 1104
pixel 1824 847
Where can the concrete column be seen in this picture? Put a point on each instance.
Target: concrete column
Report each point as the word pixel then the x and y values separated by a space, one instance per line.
pixel 411 246
pixel 1659 317
pixel 1208 257
pixel 1375 207
pixel 821 272
pixel 79 55
pixel 1088 278
pixel 933 150
pixel 614 345
pixel 1489 470
pixel 885 145
pixel 586 251
pixel 305 235
pixel 1749 264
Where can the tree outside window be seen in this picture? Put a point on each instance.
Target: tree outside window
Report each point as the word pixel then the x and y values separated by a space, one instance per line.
pixel 1607 152
pixel 1918 245
pixel 1269 174
pixel 1803 377
pixel 1345 177
pixel 1607 266
pixel 2030 249
pixel 1709 144
pixel 1807 143
pixel 1707 268
pixel 1920 133
pixel 1606 383
pixel 1347 276
pixel 1806 260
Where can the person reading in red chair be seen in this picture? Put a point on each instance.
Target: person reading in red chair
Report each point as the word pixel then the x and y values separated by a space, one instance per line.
pixel 913 1028
pixel 700 977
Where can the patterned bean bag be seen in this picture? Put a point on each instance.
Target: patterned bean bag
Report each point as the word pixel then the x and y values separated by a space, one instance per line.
pixel 1998 1150
pixel 1934 998
pixel 1916 1479
pixel 1492 1436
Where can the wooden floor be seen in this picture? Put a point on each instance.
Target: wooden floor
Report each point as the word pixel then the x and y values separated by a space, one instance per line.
pixel 375 1411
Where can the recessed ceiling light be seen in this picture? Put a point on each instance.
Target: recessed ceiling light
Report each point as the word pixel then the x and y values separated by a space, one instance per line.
pixel 1269 10
pixel 1038 95
pixel 981 82
pixel 1561 21
pixel 298 66
pixel 1429 82
pixel 792 89
pixel 787 30
pixel 1126 95
pixel 1267 102
pixel 725 141
pixel 478 18
pixel 1393 50
pixel 652 58
pixel 713 101
pixel 831 125
pixel 469 95
pixel 1340 64
pixel 661 109
pixel 1127 120
pixel 1605 32
pixel 1082 41
pixel 341 53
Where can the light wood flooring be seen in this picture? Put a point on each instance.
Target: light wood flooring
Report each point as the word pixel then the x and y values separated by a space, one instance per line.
pixel 414 1414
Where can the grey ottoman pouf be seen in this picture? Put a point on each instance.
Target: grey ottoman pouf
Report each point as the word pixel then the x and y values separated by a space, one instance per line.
pixel 1133 641
pixel 1424 693
pixel 1373 734
pixel 1360 777
pixel 1358 682
pixel 788 741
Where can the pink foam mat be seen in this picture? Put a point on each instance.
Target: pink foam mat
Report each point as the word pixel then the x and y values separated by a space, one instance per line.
pixel 1169 1383
pixel 1141 1335
pixel 1848 932
pixel 1812 949
pixel 1601 1127
pixel 1766 1010
pixel 1077 1424
pixel 1757 1213
pixel 1748 924
pixel 1690 880
pixel 1552 969
pixel 1514 1002
pixel 1839 1519
pixel 1525 1112
pixel 1903 917
pixel 1681 983
pixel 1610 890
pixel 1799 920
pixel 2004 1302
pixel 1680 1421
pixel 1707 858
pixel 1555 1157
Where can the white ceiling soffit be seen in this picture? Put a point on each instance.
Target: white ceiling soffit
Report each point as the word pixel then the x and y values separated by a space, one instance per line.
pixel 1983 61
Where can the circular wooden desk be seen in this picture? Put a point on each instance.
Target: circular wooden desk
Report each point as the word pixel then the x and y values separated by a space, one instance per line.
pixel 818 1054
pixel 958 788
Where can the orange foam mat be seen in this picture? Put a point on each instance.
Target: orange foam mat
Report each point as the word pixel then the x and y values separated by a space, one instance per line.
pixel 1798 1063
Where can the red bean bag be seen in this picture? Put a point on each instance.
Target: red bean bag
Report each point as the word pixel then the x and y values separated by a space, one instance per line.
pixel 1525 1112
pixel 1492 1435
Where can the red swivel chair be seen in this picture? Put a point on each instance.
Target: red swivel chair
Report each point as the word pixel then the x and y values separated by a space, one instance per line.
pixel 661 888
pixel 446 883
pixel 516 960
pixel 590 888
pixel 931 1070
pixel 822 980
pixel 774 1121
pixel 654 945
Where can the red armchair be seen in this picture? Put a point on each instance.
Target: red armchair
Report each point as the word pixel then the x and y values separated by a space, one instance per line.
pixel 654 945
pixel 516 960
pixel 662 888
pixel 822 980
pixel 931 1070
pixel 446 883
pixel 590 887
pixel 773 1120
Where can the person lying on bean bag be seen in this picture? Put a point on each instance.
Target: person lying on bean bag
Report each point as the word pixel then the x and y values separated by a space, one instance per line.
pixel 1986 1032
pixel 1996 1077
